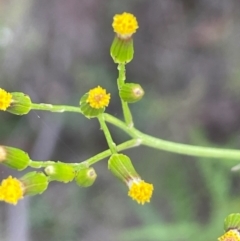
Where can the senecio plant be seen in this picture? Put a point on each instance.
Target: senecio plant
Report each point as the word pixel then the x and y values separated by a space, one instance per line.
pixel 92 105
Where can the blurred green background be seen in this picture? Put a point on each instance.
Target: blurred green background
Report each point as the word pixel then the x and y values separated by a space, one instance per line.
pixel 187 58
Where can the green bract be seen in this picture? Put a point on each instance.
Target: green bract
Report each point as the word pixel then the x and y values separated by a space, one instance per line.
pixel 20 104
pixel 121 166
pixel 232 221
pixel 14 158
pixel 122 50
pixel 34 183
pixel 131 92
pixel 87 110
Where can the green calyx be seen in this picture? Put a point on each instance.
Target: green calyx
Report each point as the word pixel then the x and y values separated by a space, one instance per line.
pixel 20 104
pixel 14 158
pixel 60 172
pixel 122 50
pixel 232 221
pixel 131 92
pixel 34 183
pixel 121 166
pixel 87 110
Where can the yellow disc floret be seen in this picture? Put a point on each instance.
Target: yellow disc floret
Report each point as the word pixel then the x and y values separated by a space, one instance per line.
pixel 11 190
pixel 125 24
pixel 141 191
pixel 5 99
pixel 231 235
pixel 98 98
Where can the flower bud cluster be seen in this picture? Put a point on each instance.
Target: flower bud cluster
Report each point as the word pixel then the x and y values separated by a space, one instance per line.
pixel 122 51
pixel 92 104
pixel 13 189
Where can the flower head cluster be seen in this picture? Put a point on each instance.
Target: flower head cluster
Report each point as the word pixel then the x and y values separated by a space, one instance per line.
pixel 5 99
pixel 140 191
pixel 124 24
pixel 11 190
pixel 231 235
pixel 98 98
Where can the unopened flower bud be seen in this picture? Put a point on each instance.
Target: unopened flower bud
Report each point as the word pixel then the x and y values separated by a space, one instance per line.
pixel 20 104
pixel 86 177
pixel 60 172
pixel 34 183
pixel 131 92
pixel 14 158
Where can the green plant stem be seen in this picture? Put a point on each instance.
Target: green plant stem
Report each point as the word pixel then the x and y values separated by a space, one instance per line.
pixel 151 141
pixel 124 146
pixel 121 80
pixel 121 75
pixel 55 108
pixel 179 148
pixel 107 134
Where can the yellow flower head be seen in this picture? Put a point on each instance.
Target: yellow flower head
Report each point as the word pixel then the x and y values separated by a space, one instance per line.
pixel 5 99
pixel 98 98
pixel 11 190
pixel 140 191
pixel 231 235
pixel 124 24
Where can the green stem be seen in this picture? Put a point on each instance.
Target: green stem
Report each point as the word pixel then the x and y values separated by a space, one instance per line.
pixel 121 80
pixel 41 164
pixel 107 134
pixel 124 146
pixel 121 75
pixel 151 141
pixel 184 149
pixel 55 108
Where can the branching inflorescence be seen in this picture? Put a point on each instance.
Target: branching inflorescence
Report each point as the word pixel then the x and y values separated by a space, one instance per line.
pixel 92 105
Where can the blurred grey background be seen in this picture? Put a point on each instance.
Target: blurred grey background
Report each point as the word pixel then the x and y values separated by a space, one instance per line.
pixel 187 58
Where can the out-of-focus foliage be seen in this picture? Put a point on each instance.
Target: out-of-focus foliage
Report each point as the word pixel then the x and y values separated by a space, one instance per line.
pixel 186 59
